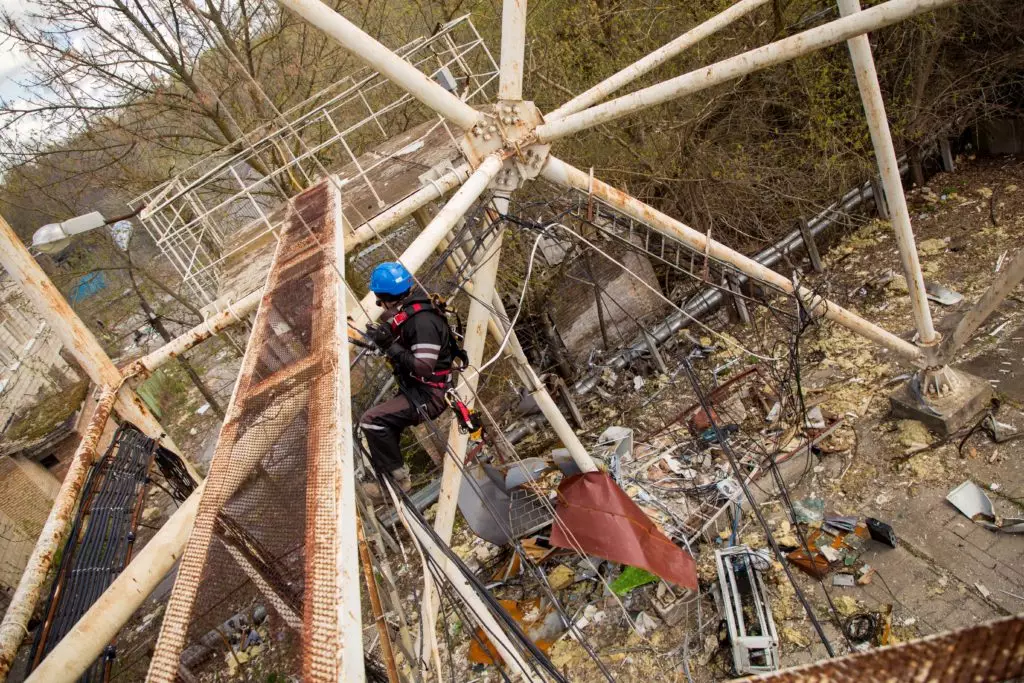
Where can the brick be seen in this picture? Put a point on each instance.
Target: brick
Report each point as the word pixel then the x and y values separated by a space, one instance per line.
pixel 980 537
pixel 961 528
pixel 958 552
pixel 1008 548
pixel 1011 574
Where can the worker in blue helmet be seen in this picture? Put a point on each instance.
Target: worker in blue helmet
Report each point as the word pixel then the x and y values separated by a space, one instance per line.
pixel 415 337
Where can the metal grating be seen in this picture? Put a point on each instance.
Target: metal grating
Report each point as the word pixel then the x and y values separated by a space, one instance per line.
pixel 267 527
pixel 990 652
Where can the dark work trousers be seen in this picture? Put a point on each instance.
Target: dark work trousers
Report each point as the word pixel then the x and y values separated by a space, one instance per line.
pixel 383 425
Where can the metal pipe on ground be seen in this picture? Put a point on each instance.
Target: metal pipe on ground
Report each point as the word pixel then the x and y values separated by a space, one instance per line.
pixel 803 43
pixel 566 175
pixel 888 168
pixel 14 627
pixel 709 299
pixel 102 622
pixel 400 72
pixel 655 59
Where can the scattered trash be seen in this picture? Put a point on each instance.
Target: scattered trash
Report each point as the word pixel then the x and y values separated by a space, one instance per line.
pixel 941 294
pixel 913 434
pixel 773 414
pixel 830 553
pixel 794 637
pixel 538 619
pixel 862 627
pixel 202 409
pixel 845 580
pixel 971 500
pixel 933 246
pixel 809 510
pixel 1000 260
pixel 597 516
pixel 645 623
pixel 985 593
pixel 747 612
pixel 995 332
pixel 638 383
pixel 845 605
pixel 881 532
pixel 864 575
pixel 561 577
pixel 840 523
pixel 630 579
pixel 814 418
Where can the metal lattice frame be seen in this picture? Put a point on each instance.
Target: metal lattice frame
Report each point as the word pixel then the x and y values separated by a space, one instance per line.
pixel 227 202
pixel 504 146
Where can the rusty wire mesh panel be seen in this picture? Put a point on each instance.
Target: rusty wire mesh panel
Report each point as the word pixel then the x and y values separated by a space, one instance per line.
pixel 989 652
pixel 265 535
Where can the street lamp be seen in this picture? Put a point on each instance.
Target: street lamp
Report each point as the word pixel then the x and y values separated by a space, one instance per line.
pixel 53 238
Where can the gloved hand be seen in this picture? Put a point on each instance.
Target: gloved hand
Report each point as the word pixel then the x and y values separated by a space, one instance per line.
pixel 380 335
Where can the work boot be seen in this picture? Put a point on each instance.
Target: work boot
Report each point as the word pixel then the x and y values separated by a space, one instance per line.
pixel 401 479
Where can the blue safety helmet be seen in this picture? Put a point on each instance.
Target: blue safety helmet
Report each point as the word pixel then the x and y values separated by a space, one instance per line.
pixel 391 279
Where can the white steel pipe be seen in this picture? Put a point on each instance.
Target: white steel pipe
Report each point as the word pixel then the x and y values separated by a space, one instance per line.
pixel 72 332
pixel 521 364
pixel 350 665
pixel 654 60
pixel 542 396
pixel 141 368
pixel 14 627
pixel 426 242
pixel 513 47
pixel 563 174
pixel 405 208
pixel 76 652
pixel 760 58
pixel 888 167
pixel 400 72
pixel 475 338
pixel 468 594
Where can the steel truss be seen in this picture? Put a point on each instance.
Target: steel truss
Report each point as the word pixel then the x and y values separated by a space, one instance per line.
pixel 503 146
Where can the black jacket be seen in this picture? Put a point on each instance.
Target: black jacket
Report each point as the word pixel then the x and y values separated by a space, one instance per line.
pixel 424 348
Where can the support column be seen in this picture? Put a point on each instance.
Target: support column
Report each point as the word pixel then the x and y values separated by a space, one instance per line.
pixel 513 46
pixel 888 167
pixel 451 475
pixel 527 375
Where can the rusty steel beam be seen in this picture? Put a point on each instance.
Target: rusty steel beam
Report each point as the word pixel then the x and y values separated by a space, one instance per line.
pixel 981 654
pixel 14 627
pixel 143 367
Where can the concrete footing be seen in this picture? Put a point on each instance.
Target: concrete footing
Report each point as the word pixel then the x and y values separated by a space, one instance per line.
pixel 945 414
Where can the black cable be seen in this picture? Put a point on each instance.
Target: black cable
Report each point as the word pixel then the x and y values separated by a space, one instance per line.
pixel 734 464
